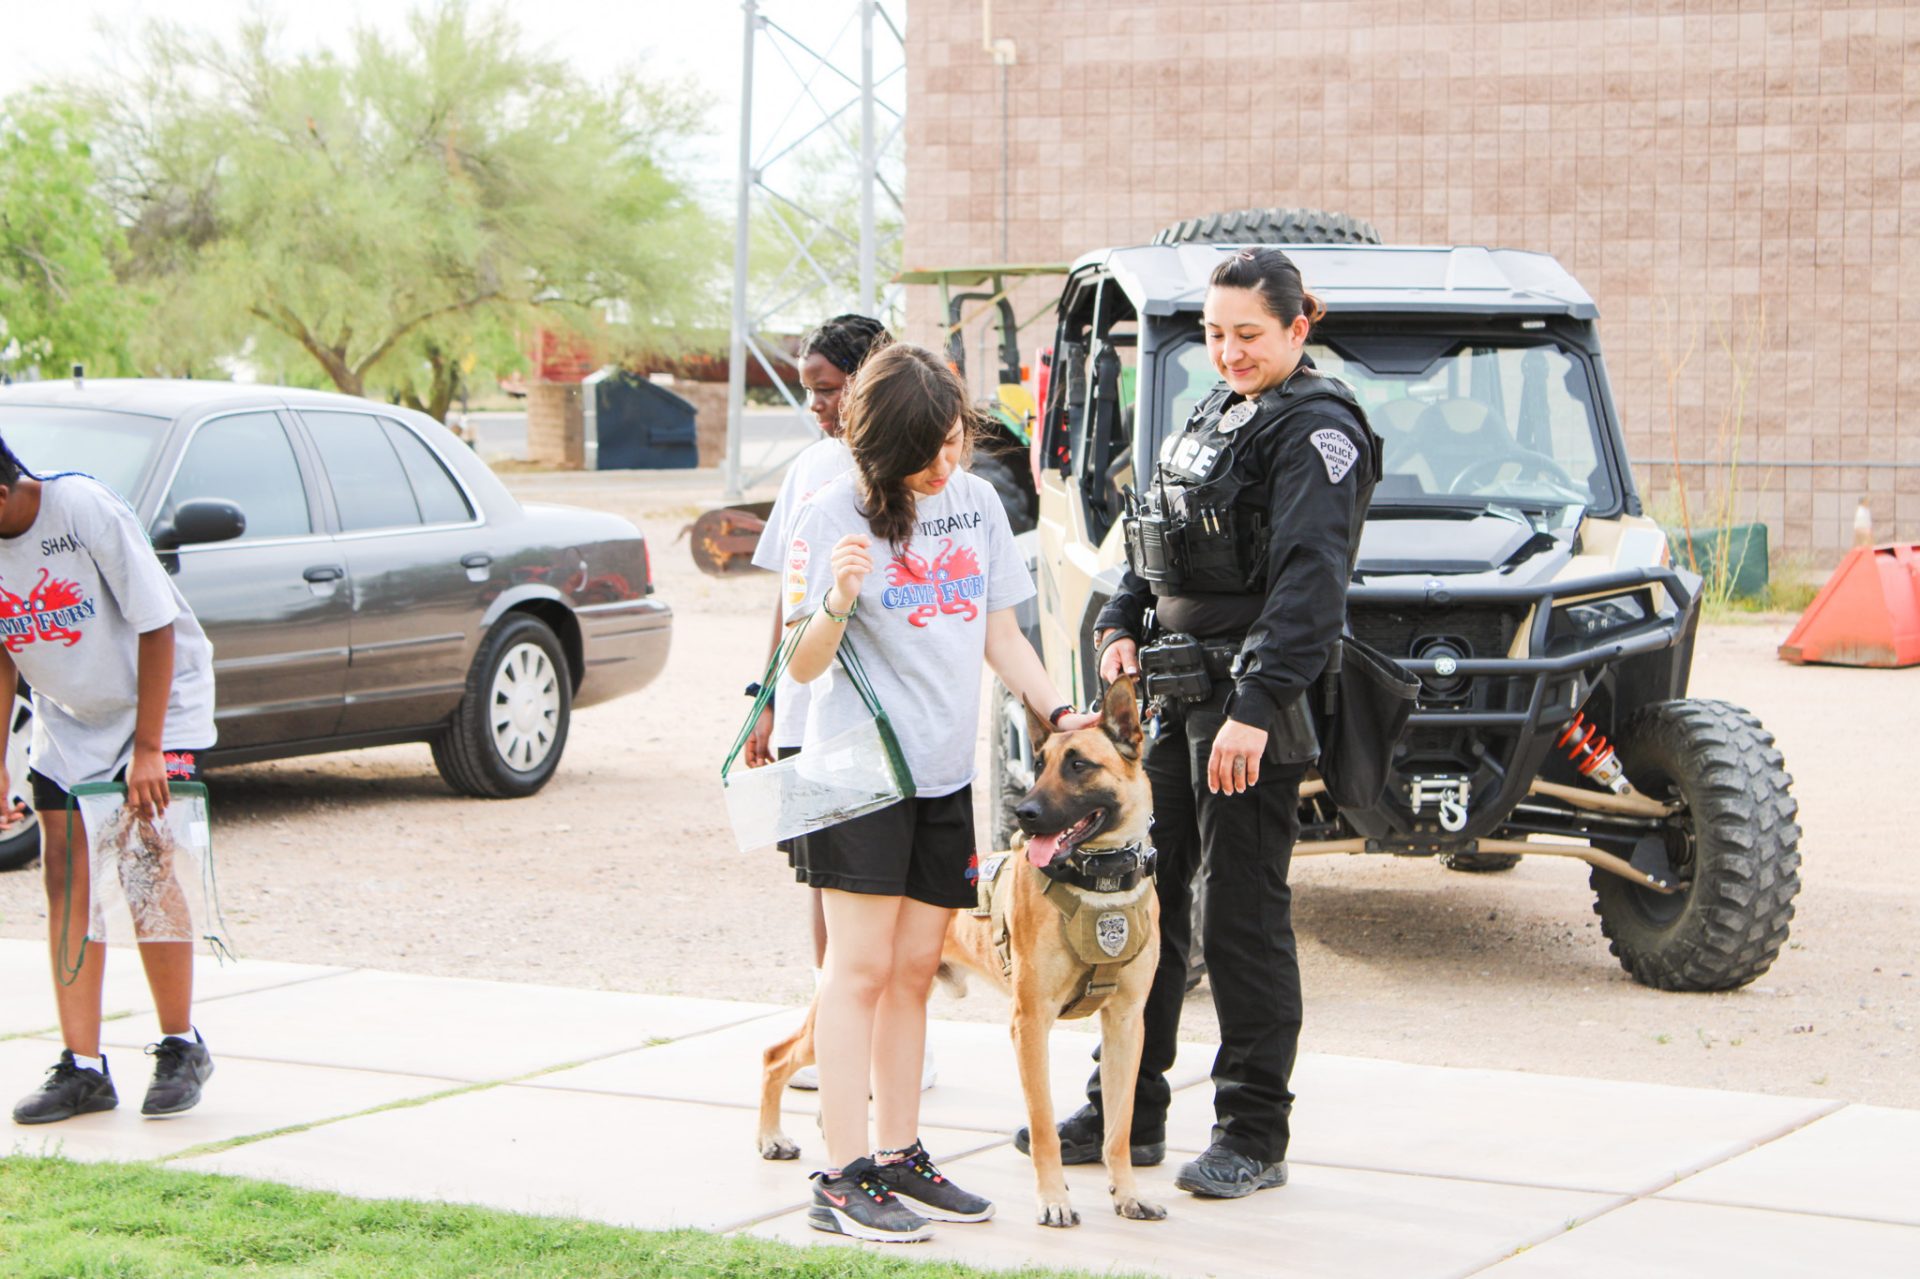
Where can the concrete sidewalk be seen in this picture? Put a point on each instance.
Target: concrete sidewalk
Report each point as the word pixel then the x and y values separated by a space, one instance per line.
pixel 594 1104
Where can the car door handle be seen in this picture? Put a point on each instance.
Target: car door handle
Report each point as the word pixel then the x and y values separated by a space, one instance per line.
pixel 479 559
pixel 324 573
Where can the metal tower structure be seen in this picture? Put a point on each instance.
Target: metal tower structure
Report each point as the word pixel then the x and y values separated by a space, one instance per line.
pixel 835 100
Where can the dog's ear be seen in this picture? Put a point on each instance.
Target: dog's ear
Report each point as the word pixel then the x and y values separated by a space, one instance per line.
pixel 1038 730
pixel 1120 717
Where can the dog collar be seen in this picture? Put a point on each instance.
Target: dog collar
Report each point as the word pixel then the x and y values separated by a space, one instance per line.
pixel 1111 870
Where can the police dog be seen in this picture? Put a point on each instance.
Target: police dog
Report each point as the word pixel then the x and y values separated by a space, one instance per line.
pixel 1090 794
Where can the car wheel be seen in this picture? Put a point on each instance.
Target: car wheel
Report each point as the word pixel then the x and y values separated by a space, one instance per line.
pixel 1734 843
pixel 22 842
pixel 505 739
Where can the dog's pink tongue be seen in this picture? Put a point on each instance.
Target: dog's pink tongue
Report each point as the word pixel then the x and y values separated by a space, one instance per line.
pixel 1041 848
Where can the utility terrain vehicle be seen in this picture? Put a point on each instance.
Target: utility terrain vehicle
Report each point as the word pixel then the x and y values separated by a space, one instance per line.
pixel 1506 564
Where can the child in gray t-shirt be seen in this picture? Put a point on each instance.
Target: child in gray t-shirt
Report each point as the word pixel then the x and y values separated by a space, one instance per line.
pixel 122 679
pixel 908 560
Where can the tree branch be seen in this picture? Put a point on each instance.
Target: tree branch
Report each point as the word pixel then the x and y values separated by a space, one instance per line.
pixel 407 326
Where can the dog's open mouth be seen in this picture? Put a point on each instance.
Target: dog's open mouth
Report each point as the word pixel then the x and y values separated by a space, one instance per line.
pixel 1043 849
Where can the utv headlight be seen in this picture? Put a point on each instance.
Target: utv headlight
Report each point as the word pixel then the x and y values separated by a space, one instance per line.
pixel 1578 625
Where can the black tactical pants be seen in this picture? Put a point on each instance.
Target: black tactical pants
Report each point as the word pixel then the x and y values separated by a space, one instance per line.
pixel 1242 845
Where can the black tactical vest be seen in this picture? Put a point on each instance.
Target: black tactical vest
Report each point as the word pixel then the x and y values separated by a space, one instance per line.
pixel 1201 528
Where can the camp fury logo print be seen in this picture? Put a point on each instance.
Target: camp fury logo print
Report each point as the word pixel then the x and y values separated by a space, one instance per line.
pixel 949 583
pixel 52 611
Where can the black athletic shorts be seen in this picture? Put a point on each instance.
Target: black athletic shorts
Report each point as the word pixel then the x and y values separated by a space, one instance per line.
pixel 918 848
pixel 50 796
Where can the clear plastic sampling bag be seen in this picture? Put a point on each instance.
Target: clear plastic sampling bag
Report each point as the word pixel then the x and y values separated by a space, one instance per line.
pixel 854 772
pixel 151 879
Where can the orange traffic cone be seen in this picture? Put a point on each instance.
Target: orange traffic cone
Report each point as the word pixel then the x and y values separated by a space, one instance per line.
pixel 1868 613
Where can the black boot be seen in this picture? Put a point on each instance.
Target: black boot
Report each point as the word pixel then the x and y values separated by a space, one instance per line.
pixel 1082 1136
pixel 1225 1173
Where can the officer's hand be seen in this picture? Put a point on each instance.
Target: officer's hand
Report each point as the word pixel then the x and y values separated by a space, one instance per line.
pixel 1235 762
pixel 1122 657
pixel 851 562
pixel 758 752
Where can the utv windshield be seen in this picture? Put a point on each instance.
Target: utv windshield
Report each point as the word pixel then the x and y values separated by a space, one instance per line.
pixel 1462 420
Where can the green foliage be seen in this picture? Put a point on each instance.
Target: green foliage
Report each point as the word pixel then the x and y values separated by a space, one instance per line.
pixel 400 214
pixel 131 1221
pixel 59 301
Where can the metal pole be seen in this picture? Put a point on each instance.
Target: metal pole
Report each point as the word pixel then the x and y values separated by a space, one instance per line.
pixel 869 161
pixel 742 209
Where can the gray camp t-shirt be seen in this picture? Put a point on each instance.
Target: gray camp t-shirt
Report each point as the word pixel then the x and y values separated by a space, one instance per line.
pixel 817 463
pixel 921 628
pixel 77 590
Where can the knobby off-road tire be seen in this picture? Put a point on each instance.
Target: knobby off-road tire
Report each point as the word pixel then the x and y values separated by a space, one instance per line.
pixel 1270 226
pixel 21 843
pixel 506 739
pixel 1016 495
pixel 1479 863
pixel 1012 775
pixel 1738 845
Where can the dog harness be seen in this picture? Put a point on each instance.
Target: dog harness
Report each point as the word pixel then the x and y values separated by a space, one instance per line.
pixel 1103 938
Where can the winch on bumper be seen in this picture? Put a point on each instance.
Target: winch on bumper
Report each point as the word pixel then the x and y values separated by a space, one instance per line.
pixel 1500 745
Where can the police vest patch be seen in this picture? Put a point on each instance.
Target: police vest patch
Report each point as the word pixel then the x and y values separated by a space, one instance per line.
pixel 1336 451
pixel 1110 930
pixel 1238 416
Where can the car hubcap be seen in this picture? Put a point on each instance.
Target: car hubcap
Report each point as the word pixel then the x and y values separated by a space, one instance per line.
pixel 526 707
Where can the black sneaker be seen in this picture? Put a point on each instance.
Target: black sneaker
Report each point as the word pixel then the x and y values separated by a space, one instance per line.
pixel 1222 1173
pixel 859 1203
pixel 1082 1135
pixel 927 1190
pixel 68 1090
pixel 180 1066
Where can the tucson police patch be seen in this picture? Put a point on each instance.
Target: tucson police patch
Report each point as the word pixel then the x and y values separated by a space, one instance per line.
pixel 1337 451
pixel 1110 930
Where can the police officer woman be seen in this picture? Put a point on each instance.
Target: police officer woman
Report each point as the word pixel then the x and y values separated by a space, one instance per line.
pixel 1240 553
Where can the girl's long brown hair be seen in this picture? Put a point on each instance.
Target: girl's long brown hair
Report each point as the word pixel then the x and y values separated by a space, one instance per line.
pixel 898 411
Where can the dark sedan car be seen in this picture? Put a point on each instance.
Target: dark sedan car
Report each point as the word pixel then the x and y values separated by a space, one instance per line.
pixel 364 578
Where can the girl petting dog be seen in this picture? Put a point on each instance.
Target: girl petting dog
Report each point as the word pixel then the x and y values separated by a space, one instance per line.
pixel 122 680
pixel 829 356
pixel 940 606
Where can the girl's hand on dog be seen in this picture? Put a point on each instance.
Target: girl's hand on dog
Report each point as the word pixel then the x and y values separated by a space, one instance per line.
pixel 758 752
pixel 1235 762
pixel 851 562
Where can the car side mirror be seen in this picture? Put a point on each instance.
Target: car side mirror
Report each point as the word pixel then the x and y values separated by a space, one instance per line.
pixel 204 519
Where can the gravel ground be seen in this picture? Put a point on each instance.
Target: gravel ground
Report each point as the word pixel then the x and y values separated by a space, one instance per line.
pixel 622 875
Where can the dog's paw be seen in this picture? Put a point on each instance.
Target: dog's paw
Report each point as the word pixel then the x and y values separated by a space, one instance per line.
pixel 778 1146
pixel 1059 1214
pixel 1138 1209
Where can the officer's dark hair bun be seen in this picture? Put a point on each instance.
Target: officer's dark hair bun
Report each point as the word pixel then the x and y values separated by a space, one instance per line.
pixel 1272 275
pixel 845 341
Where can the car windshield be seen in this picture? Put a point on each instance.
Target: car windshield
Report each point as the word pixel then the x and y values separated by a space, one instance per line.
pixel 114 448
pixel 1462 421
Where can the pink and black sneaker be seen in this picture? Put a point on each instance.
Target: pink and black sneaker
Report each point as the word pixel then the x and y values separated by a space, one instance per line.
pixel 858 1202
pixel 927 1190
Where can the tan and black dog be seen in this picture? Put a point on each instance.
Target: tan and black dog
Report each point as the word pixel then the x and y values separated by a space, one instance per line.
pixel 1067 929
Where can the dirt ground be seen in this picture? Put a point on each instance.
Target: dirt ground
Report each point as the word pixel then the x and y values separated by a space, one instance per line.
pixel 622 875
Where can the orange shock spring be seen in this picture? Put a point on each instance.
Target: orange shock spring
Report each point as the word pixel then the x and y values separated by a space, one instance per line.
pixel 1592 754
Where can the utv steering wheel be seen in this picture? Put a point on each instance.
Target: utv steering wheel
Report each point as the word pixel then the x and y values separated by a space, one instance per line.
pixel 1531 464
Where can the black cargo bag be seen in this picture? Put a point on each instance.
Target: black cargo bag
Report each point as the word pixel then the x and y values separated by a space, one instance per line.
pixel 1370 698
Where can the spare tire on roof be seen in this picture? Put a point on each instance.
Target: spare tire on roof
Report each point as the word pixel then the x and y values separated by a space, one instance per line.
pixel 1270 226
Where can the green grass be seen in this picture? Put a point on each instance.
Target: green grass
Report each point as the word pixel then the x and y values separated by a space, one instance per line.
pixel 65 1220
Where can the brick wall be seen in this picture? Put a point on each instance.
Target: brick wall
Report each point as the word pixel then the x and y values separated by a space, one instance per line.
pixel 1720 174
pixel 556 425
